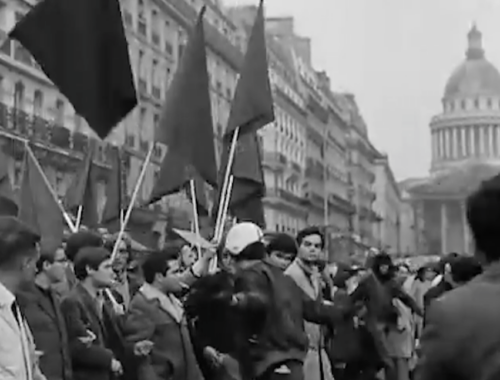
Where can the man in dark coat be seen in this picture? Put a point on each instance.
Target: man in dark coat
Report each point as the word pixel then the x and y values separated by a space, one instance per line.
pixel 274 309
pixel 461 339
pixel 42 309
pixel 85 312
pixel 156 316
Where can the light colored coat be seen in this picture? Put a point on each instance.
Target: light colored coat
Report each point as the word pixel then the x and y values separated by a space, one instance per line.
pixel 18 356
pixel 312 287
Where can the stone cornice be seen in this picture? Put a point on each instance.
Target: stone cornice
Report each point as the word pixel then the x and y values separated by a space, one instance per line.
pixel 464 121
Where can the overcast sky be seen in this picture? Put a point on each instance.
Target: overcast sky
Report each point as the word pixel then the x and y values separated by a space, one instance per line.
pixel 395 56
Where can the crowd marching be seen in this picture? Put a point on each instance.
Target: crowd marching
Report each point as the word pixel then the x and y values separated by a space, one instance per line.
pixel 248 305
pixel 272 309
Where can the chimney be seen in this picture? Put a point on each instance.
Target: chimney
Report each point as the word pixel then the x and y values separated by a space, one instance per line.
pixel 281 26
pixel 323 79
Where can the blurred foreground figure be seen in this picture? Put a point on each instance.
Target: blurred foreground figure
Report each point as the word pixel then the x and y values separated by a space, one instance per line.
pixel 18 257
pixel 461 339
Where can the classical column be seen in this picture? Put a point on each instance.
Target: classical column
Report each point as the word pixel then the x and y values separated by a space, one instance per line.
pixel 465 224
pixel 491 141
pixel 471 138
pixel 433 146
pixel 465 151
pixel 444 229
pixel 482 140
pixel 497 142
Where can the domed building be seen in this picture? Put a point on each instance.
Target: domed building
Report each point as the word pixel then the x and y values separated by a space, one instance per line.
pixel 465 150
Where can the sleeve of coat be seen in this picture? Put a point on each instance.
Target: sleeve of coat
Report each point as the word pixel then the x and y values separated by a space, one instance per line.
pixel 90 356
pixel 320 312
pixel 138 326
pixel 253 291
pixel 436 350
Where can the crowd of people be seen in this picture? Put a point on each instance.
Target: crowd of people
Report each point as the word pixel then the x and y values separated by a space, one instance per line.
pixel 273 309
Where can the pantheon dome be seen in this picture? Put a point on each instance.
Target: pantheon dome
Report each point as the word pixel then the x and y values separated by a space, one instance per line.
pixel 465 152
pixel 468 128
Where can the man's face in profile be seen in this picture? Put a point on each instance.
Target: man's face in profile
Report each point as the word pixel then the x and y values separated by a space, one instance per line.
pixel 28 262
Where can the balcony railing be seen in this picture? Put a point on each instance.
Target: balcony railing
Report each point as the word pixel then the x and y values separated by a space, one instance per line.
pixel 17 125
pixel 274 160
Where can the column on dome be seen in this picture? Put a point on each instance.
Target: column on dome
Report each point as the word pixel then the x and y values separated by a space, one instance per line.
pixel 474 142
pixel 465 150
pixel 448 142
pixel 445 142
pixel 491 141
pixel 434 146
pixel 453 143
pixel 497 140
pixel 482 140
pixel 440 143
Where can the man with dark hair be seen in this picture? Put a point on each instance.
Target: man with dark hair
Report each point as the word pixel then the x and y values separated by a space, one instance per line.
pixel 18 257
pixel 461 339
pixel 156 322
pixel 42 309
pixel 305 272
pixel 75 242
pixel 281 250
pixel 85 313
pixel 274 308
pixel 457 270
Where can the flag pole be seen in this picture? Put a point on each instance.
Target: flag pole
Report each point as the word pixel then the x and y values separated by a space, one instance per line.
pixel 79 217
pixel 135 193
pixel 196 224
pixel 220 212
pixel 227 200
pixel 49 186
pixel 225 206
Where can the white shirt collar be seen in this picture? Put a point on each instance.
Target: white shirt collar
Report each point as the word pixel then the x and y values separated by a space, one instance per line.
pixel 6 296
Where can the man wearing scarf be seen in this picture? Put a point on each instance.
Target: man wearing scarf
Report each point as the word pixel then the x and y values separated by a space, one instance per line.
pixel 156 323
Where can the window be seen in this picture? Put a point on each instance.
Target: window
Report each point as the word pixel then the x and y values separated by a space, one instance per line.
pixel 78 120
pixel 59 117
pixel 37 103
pixel 142 117
pixel 19 96
pixel 155 27
pixel 2 89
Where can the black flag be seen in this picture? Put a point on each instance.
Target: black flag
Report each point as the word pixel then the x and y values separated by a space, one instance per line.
pixel 81 47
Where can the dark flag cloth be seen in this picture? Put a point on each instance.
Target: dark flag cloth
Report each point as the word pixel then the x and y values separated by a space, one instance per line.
pixel 115 200
pixel 37 206
pixel 175 176
pixel 200 195
pixel 83 192
pixel 186 123
pixel 81 47
pixel 248 185
pixel 8 204
pixel 252 106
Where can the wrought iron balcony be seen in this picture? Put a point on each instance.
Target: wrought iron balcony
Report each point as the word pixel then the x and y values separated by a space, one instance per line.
pixel 62 147
pixel 274 160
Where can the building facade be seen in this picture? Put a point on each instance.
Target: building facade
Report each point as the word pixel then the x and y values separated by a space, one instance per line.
pixel 388 206
pixel 157 33
pixel 361 174
pixel 465 150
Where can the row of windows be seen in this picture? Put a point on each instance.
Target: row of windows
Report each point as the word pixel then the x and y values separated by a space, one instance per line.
pixel 481 103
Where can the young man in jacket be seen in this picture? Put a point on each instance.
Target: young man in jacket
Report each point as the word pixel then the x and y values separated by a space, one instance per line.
pixel 278 308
